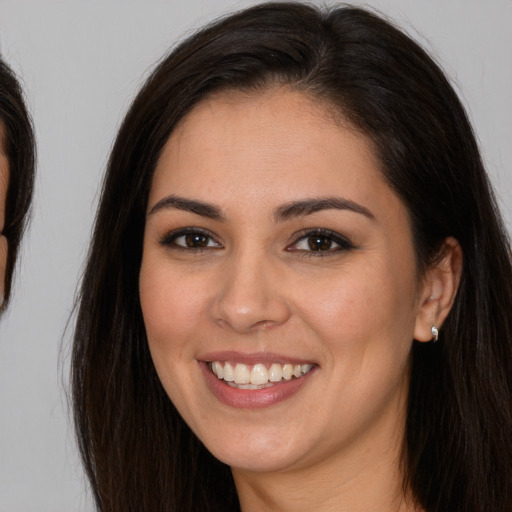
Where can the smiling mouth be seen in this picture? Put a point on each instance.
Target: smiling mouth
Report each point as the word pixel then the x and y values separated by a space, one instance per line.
pixel 258 376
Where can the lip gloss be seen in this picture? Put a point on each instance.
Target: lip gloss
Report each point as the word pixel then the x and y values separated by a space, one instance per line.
pixel 251 398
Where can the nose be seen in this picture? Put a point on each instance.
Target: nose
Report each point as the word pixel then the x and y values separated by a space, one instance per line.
pixel 251 296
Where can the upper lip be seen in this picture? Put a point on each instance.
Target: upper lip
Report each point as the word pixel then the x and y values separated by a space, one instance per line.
pixel 252 358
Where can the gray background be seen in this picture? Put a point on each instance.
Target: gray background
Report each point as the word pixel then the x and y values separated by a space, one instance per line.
pixel 81 63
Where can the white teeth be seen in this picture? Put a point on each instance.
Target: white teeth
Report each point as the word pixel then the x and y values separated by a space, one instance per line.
pixel 259 374
pixel 228 373
pixel 305 368
pixel 287 371
pixel 275 373
pixel 249 386
pixel 217 369
pixel 243 376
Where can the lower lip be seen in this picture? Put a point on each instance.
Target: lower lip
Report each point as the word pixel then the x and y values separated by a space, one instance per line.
pixel 252 398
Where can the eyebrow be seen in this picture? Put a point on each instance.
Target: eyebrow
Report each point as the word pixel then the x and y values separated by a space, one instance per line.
pixel 284 212
pixel 309 206
pixel 188 205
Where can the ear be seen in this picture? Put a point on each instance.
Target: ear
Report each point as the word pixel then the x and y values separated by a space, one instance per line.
pixel 438 290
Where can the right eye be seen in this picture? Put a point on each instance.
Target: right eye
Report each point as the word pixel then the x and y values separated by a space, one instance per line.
pixel 190 239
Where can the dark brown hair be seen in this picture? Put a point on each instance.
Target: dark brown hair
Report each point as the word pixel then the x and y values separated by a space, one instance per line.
pixel 138 453
pixel 19 146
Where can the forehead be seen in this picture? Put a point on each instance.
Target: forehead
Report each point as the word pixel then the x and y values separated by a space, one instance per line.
pixel 269 138
pixel 268 108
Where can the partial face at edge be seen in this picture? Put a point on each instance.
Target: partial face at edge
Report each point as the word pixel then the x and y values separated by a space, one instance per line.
pixel 4 184
pixel 249 270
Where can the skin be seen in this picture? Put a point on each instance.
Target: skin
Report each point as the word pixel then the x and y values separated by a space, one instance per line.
pixel 4 183
pixel 257 287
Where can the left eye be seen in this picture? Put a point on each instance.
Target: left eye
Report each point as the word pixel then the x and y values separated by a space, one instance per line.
pixel 320 241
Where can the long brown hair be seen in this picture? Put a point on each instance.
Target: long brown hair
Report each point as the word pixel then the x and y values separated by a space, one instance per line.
pixel 138 453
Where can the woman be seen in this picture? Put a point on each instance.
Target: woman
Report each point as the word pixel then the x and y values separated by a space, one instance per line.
pixel 17 156
pixel 298 293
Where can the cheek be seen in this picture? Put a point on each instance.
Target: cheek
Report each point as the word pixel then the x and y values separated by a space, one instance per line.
pixel 171 308
pixel 365 323
pixel 363 314
pixel 171 300
pixel 175 308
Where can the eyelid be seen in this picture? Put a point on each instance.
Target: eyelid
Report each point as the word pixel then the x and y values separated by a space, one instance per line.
pixel 342 241
pixel 168 239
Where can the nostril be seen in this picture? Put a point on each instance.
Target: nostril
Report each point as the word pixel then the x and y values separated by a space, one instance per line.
pixel 249 297
pixel 246 315
pixel 245 325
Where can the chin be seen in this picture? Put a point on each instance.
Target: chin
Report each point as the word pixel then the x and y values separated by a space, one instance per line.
pixel 259 462
pixel 256 451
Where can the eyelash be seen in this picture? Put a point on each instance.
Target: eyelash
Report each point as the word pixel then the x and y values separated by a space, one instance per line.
pixel 331 236
pixel 169 240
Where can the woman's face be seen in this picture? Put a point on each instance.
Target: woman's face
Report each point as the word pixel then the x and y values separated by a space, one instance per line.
pixel 276 255
pixel 4 183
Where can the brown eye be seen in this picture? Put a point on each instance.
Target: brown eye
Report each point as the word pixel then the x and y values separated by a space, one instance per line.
pixel 195 240
pixel 190 239
pixel 319 243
